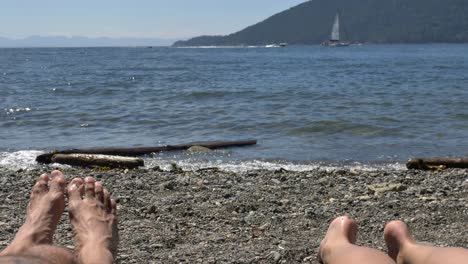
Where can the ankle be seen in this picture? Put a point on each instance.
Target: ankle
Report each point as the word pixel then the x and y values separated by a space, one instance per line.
pixel 21 242
pixel 95 254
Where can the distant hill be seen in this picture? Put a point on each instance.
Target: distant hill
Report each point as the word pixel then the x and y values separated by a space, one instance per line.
pixel 77 41
pixel 376 21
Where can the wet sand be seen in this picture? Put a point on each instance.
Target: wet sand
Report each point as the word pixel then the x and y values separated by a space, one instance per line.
pixel 257 216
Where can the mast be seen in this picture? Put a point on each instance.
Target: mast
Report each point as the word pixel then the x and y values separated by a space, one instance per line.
pixel 335 34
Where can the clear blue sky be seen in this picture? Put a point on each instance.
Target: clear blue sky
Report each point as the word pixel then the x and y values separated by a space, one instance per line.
pixel 133 18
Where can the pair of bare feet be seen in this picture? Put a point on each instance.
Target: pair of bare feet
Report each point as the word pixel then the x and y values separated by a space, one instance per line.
pixel 338 247
pixel 92 215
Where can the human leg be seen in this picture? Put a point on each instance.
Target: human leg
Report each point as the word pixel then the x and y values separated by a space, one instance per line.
pixel 34 239
pixel 338 246
pixel 405 250
pixel 94 220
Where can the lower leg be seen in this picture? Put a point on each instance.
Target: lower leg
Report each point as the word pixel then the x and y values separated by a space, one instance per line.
pixel 34 239
pixel 405 250
pixel 338 246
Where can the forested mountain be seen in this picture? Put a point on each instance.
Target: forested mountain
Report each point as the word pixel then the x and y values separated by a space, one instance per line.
pixel 376 21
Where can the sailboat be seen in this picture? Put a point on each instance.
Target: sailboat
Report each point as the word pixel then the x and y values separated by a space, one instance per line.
pixel 335 35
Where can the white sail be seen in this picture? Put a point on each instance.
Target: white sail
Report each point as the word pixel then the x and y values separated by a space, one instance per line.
pixel 335 34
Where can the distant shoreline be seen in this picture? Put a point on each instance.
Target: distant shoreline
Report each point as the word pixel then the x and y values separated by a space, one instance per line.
pixel 224 46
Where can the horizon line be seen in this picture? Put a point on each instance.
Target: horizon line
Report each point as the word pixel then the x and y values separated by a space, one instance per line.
pixel 90 37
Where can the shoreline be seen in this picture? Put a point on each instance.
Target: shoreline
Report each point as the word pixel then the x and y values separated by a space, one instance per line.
pixel 256 216
pixel 25 160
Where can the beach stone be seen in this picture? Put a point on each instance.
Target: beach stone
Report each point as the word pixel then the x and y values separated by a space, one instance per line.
pixel 167 186
pixel 364 197
pixel 139 184
pixel 257 231
pixel 284 202
pixel 465 184
pixel 381 188
pixel 198 149
pixel 313 212
pixel 176 168
pixel 274 256
pixel 151 209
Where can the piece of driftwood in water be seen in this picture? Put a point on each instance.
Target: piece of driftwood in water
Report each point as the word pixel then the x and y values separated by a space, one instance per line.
pixel 95 160
pixel 46 158
pixel 436 163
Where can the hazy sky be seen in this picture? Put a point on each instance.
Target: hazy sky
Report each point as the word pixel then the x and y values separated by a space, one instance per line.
pixel 133 18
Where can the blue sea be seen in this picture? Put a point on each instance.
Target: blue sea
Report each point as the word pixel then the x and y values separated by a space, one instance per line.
pixel 366 106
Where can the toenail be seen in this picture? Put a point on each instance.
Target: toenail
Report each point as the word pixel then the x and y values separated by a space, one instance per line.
pixel 89 179
pixel 75 185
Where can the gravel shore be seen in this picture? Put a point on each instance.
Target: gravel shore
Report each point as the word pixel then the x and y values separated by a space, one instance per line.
pixel 258 216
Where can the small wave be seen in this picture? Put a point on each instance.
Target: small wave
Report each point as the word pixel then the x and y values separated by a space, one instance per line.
pixel 205 94
pixel 335 127
pixel 23 159
pixel 461 116
pixel 10 111
pixel 215 94
pixel 252 165
pixel 26 159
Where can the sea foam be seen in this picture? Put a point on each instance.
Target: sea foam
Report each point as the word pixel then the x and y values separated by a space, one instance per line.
pixel 23 159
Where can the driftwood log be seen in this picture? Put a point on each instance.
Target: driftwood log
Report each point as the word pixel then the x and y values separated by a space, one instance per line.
pixel 436 163
pixel 132 152
pixel 93 160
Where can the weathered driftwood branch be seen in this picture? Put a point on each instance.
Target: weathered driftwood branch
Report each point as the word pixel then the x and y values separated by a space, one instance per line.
pixel 435 163
pixel 91 160
pixel 46 158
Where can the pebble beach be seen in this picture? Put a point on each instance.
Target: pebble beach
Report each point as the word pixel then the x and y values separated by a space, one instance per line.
pixel 211 216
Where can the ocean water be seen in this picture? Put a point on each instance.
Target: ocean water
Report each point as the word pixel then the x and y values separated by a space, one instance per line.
pixel 308 106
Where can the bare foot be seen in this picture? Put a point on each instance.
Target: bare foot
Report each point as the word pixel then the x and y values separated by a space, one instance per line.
pixel 342 230
pixel 94 220
pixel 398 238
pixel 43 213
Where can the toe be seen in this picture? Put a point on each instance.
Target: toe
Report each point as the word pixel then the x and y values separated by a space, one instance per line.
pixel 107 200
pixel 41 185
pixel 398 231
pixel 342 230
pixel 113 207
pixel 89 188
pixel 75 190
pixel 44 177
pixel 58 182
pixel 99 191
pixel 397 236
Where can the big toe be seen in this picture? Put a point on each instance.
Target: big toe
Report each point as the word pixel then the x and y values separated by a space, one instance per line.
pixel 397 235
pixel 41 185
pixel 342 230
pixel 57 184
